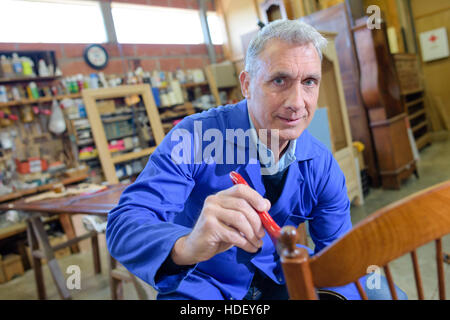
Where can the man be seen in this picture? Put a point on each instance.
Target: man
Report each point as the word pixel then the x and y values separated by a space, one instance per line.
pixel 186 230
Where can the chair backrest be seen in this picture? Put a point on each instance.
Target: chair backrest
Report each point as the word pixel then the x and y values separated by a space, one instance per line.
pixel 383 236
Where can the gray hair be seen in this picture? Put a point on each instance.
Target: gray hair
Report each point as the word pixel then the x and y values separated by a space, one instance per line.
pixel 291 31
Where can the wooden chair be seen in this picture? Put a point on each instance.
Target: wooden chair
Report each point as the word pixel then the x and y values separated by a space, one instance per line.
pixel 384 236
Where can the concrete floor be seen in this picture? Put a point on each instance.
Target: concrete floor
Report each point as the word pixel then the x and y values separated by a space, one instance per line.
pixel 433 168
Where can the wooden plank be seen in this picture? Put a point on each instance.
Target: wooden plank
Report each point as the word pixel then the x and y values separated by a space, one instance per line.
pixel 39 100
pixel 414 102
pixel 419 126
pixel 133 155
pixel 416 114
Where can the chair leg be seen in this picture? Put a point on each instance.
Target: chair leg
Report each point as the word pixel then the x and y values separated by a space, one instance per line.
pixel 142 295
pixel 447 258
pixel 96 254
pixel 36 262
pixel 47 250
pixel 115 285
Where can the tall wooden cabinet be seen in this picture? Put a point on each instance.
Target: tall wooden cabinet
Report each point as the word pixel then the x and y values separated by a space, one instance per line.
pixel 336 19
pixel 331 95
pixel 413 96
pixel 380 90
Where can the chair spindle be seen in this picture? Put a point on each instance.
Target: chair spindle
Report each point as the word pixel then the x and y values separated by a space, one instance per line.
pixel 417 275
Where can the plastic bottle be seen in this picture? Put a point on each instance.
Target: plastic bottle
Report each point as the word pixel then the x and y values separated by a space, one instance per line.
pixel 6 67
pixel 17 64
pixel 43 70
pixel 93 83
pixel 79 80
pixel 3 95
pixel 34 90
pixel 27 64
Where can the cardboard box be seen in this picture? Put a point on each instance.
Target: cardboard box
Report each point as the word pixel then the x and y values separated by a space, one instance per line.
pixel 106 106
pixel 12 266
pixel 225 74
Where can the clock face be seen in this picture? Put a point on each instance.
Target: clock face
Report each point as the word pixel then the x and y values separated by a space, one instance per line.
pixel 96 56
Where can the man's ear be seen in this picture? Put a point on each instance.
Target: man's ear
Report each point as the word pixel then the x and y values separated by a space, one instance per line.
pixel 244 78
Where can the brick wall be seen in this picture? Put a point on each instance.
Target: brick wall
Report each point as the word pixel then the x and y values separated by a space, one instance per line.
pixel 127 57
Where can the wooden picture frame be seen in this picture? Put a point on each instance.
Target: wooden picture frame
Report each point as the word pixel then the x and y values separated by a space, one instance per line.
pixel 108 162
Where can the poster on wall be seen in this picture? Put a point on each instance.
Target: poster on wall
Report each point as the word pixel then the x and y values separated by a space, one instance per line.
pixel 434 44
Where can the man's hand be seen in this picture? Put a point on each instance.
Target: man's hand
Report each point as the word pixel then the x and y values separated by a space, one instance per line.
pixel 228 218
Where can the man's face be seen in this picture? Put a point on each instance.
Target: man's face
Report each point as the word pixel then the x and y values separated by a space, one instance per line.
pixel 283 92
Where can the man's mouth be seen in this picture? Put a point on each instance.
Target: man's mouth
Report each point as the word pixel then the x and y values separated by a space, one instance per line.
pixel 291 121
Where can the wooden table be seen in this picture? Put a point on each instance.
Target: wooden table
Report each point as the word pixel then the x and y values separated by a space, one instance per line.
pixel 99 203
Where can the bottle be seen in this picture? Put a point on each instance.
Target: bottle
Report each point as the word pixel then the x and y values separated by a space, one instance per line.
pixel 16 94
pixel 6 67
pixel 43 70
pixel 17 64
pixel 86 82
pixel 34 90
pixel 79 80
pixel 3 95
pixel 93 83
pixel 27 64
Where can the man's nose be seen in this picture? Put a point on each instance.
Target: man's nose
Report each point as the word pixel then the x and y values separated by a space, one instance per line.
pixel 296 100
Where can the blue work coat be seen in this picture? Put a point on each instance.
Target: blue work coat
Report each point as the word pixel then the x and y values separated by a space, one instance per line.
pixel 166 199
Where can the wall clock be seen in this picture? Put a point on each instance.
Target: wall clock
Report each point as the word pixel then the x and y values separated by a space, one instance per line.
pixel 96 56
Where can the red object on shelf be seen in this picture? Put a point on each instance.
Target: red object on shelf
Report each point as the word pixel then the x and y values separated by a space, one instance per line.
pixel 31 165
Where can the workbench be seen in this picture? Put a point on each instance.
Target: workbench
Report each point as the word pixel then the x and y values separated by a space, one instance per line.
pixel 99 203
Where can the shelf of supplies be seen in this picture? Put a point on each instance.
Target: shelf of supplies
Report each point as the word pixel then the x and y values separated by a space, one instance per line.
pixel 187 85
pixel 19 227
pixel 88 158
pixel 133 155
pixel 39 100
pixel 27 79
pixel 85 142
pixel 116 119
pixel 194 84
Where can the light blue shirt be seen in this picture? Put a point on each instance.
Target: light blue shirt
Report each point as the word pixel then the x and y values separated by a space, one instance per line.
pixel 286 159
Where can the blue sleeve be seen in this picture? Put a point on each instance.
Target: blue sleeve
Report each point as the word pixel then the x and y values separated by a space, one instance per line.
pixel 140 232
pixel 331 216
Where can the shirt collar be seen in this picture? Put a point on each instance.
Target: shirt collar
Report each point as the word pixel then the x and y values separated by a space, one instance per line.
pixel 286 159
pixel 238 118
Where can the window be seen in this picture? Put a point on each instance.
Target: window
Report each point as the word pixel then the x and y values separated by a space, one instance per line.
pixel 51 21
pixel 162 25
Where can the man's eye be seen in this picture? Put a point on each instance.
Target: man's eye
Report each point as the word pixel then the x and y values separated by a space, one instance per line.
pixel 278 81
pixel 310 82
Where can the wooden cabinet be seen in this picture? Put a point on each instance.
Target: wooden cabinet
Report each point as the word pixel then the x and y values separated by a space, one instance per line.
pixel 380 90
pixel 336 19
pixel 413 96
pixel 331 95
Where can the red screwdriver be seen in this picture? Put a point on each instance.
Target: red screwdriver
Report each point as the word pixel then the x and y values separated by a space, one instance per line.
pixel 269 224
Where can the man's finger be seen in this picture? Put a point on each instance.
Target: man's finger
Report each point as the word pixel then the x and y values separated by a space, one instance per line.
pixel 232 236
pixel 241 205
pixel 238 221
pixel 249 194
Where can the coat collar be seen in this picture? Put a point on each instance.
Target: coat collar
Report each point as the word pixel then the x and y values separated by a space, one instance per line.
pixel 238 119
